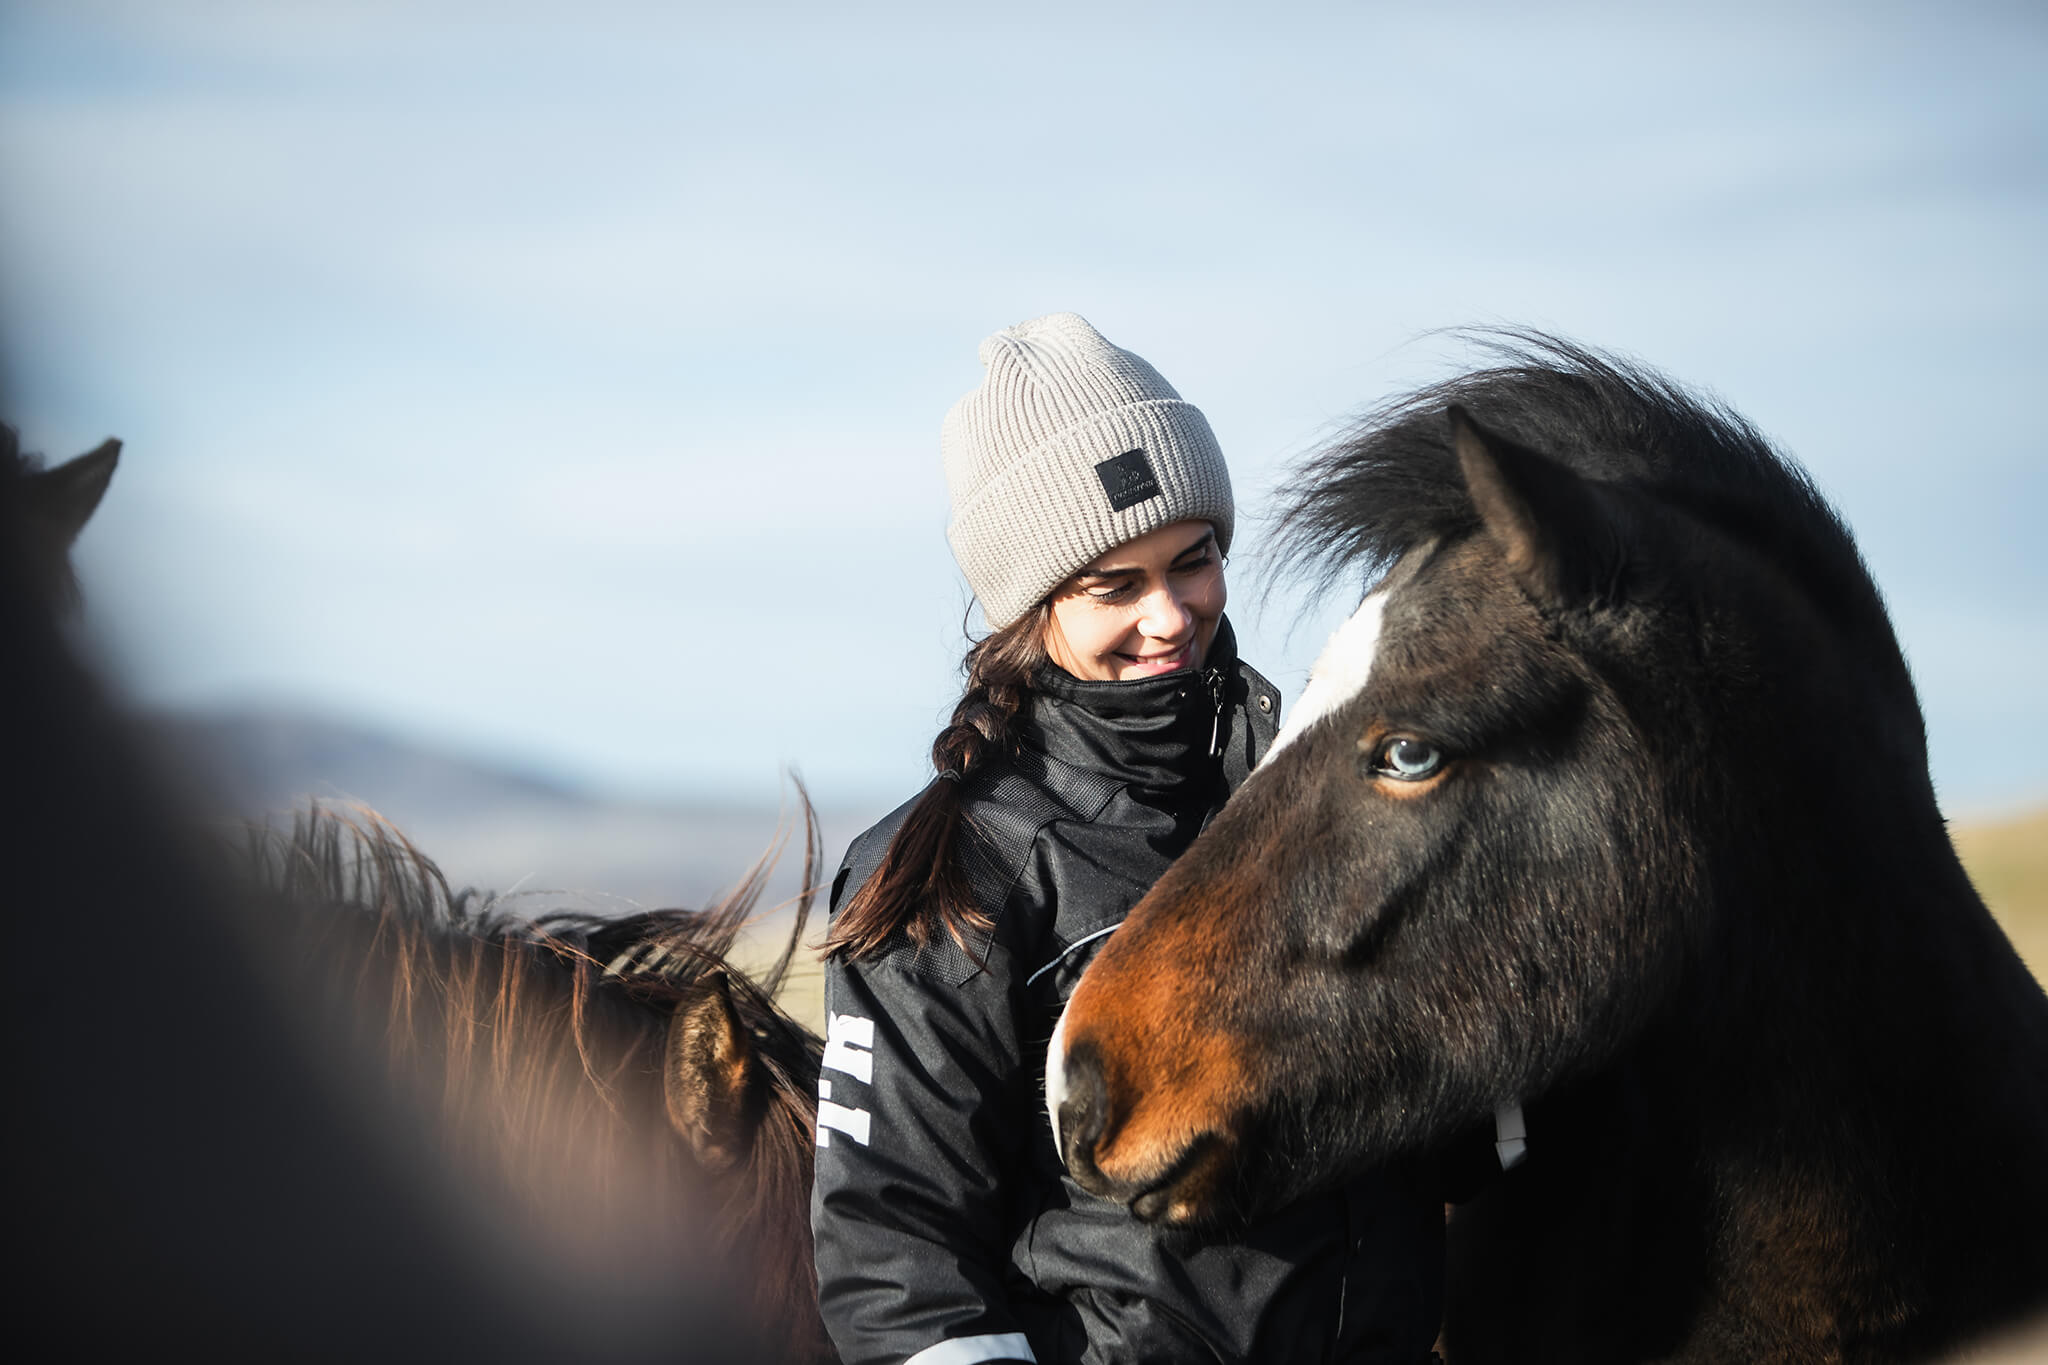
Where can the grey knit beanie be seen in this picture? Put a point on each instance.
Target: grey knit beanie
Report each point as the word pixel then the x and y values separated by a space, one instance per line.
pixel 1070 447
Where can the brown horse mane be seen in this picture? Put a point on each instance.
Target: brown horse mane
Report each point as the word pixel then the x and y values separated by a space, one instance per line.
pixel 544 1043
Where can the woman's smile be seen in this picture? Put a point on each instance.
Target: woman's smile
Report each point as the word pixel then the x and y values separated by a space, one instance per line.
pixel 1148 665
pixel 1146 608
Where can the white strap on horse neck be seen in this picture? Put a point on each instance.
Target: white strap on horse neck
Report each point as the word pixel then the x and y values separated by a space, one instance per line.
pixel 1510 1136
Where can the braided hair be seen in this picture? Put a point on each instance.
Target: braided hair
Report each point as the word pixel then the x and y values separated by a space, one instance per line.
pixel 919 890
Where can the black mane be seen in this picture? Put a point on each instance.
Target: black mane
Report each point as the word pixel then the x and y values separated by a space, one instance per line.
pixel 1392 482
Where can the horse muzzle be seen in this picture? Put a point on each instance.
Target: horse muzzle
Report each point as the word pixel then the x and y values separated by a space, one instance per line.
pixel 1170 1163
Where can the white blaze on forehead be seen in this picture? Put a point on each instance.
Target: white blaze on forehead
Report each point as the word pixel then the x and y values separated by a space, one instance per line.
pixel 1340 672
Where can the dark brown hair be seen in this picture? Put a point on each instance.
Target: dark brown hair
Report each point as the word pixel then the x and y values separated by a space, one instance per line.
pixel 920 889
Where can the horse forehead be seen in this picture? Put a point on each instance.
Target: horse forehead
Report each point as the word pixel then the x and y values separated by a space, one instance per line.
pixel 1341 671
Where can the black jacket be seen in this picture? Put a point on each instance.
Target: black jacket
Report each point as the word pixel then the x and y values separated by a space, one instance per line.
pixel 947 1230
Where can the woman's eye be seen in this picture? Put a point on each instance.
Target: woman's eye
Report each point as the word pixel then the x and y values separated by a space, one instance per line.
pixel 1410 760
pixel 1194 565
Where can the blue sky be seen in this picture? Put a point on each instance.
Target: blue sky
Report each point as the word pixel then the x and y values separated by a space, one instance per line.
pixel 562 382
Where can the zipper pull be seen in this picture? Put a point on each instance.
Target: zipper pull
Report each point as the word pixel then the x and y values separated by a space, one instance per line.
pixel 1214 677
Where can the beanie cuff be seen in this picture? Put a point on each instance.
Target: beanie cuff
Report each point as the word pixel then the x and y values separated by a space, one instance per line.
pixel 1072 502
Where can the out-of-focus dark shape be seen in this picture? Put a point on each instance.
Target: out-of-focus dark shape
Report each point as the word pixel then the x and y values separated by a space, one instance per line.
pixel 204 1154
pixel 53 506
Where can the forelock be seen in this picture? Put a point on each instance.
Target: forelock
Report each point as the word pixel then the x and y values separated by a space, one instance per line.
pixel 1393 480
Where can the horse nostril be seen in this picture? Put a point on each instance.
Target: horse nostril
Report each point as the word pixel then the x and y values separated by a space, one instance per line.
pixel 1075 1089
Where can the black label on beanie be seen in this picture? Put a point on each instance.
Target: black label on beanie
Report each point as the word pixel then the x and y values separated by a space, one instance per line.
pixel 1127 479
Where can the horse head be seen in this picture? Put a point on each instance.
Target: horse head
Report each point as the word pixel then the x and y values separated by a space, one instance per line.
pixel 1544 790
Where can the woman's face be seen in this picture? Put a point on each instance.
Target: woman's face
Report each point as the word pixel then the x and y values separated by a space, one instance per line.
pixel 1147 607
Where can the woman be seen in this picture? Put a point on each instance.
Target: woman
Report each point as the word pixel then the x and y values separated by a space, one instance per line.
pixel 1106 718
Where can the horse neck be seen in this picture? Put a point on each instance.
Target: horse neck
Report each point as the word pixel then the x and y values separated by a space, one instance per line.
pixel 1850 956
pixel 1855 922
pixel 1869 1048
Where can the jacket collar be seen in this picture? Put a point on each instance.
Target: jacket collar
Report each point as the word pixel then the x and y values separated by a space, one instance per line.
pixel 1157 734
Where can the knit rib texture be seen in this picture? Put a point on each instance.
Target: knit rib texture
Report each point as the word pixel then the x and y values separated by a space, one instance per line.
pixel 1023 456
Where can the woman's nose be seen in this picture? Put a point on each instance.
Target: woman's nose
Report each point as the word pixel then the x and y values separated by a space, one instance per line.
pixel 1165 616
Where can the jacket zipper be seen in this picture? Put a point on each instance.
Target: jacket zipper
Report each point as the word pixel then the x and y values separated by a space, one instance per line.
pixel 1214 678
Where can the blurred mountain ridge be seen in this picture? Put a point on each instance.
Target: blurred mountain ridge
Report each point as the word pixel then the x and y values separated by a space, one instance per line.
pixel 498 825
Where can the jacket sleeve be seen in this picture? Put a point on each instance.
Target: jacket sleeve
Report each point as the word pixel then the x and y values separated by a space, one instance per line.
pixel 924 1104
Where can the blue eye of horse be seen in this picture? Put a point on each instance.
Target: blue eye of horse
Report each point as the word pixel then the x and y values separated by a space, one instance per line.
pixel 1411 760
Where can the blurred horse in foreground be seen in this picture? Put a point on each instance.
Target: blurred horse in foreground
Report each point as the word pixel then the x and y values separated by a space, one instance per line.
pixel 1606 820
pixel 337 1113
pixel 609 1077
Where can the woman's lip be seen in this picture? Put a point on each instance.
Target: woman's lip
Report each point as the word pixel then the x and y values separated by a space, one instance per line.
pixel 1168 661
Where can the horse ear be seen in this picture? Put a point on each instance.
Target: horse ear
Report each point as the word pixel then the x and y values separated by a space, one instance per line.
pixel 66 496
pixel 1560 543
pixel 715 1080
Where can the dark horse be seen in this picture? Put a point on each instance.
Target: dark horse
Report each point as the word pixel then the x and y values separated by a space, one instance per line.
pixel 1610 807
pixel 213 1147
